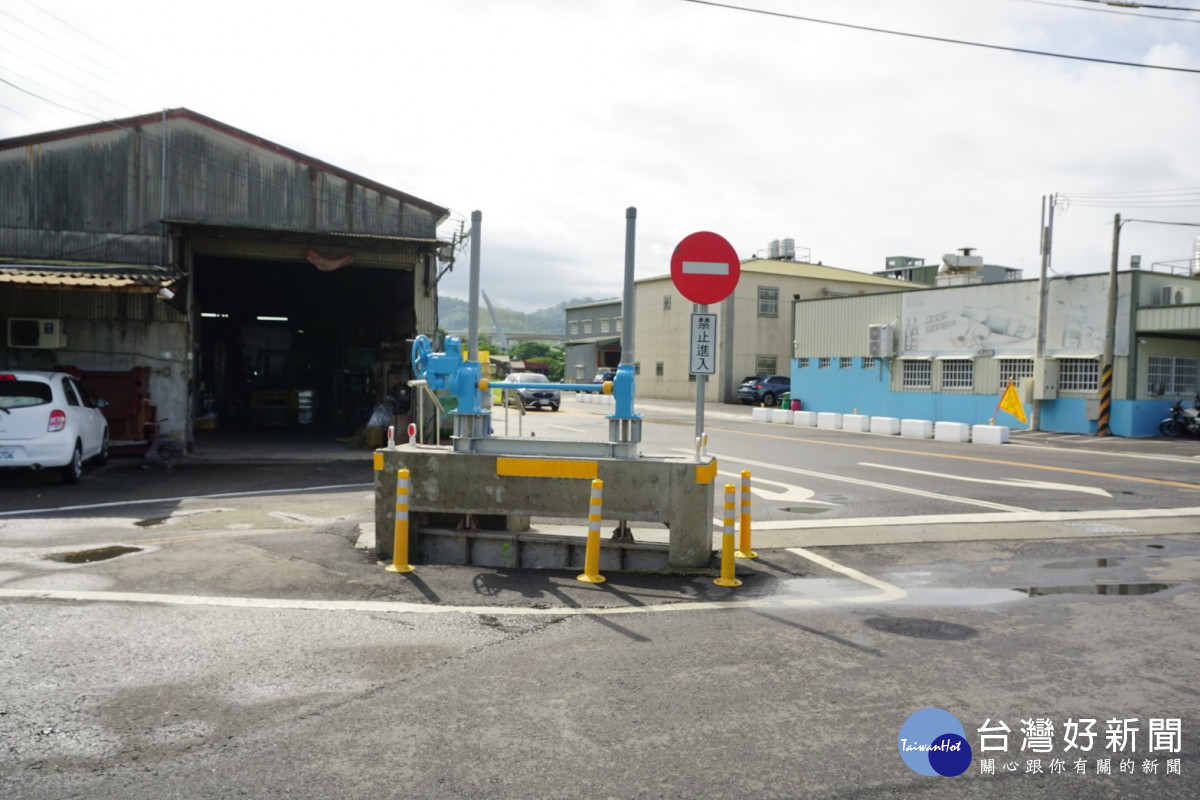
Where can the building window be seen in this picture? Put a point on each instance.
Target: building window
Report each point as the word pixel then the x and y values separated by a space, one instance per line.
pixel 765 365
pixel 917 375
pixel 587 327
pixel 604 325
pixel 1078 375
pixel 1014 369
pixel 768 301
pixel 637 368
pixel 666 302
pixel 846 362
pixel 868 362
pixel 802 363
pixel 1171 375
pixel 617 326
pixel 658 368
pixel 574 327
pixel 579 372
pixel 958 373
pixel 823 362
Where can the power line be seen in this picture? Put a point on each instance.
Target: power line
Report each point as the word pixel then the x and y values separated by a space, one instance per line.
pixel 1124 4
pixel 1109 11
pixel 942 39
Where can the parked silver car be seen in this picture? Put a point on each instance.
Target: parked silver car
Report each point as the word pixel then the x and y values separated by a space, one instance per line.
pixel 535 397
pixel 48 421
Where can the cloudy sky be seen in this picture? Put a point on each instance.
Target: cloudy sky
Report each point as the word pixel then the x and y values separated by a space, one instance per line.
pixel 551 117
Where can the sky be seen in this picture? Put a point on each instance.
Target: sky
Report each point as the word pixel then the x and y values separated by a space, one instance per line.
pixel 552 117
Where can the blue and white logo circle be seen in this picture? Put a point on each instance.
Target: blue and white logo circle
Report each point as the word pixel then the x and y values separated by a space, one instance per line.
pixel 933 742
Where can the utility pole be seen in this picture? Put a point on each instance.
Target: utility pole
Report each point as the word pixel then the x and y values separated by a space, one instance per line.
pixel 1110 336
pixel 1039 352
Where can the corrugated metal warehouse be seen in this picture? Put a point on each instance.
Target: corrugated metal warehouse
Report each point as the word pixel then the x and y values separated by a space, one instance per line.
pixel 220 278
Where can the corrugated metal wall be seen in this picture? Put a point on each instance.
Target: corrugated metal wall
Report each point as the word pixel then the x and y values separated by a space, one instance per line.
pixel 840 327
pixel 99 196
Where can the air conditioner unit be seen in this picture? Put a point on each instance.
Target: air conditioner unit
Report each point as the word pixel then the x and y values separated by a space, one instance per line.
pixel 879 341
pixel 1175 295
pixel 36 334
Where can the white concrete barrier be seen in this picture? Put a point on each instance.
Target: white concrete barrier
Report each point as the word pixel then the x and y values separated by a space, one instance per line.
pixel 889 425
pixel 951 431
pixel 916 428
pixel 856 422
pixel 829 419
pixel 807 419
pixel 989 434
pixel 760 414
pixel 782 415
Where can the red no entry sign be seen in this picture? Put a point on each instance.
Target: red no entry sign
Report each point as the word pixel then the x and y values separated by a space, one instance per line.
pixel 705 268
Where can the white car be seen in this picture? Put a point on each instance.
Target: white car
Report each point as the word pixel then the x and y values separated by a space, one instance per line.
pixel 48 421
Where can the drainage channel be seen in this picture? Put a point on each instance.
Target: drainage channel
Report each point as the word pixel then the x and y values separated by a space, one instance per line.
pixel 96 554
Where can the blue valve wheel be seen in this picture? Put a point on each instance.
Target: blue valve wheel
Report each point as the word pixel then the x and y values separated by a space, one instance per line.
pixel 422 349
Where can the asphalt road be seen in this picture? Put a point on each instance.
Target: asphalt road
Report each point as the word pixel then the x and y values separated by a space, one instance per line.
pixel 249 644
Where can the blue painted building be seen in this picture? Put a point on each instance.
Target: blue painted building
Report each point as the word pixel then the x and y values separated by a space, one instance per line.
pixel 946 354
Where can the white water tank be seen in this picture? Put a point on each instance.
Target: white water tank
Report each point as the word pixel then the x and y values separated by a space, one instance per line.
pixel 789 249
pixel 773 249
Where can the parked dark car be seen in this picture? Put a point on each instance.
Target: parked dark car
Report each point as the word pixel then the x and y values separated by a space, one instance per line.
pixel 764 390
pixel 604 376
pixel 535 397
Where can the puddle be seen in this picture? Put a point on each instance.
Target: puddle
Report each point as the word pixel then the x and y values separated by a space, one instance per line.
pixel 1099 588
pixel 98 554
pixel 1085 563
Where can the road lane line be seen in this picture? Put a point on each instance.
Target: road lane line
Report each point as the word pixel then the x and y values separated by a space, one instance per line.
pixel 876 485
pixel 1018 482
pixel 156 501
pixel 888 592
pixel 980 459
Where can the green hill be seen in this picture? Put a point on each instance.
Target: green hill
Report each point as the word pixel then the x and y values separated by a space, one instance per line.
pixel 452 316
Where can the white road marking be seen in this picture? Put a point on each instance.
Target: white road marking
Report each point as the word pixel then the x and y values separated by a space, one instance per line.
pixel 888 592
pixel 159 500
pixel 790 493
pixel 956 519
pixel 1018 482
pixel 876 485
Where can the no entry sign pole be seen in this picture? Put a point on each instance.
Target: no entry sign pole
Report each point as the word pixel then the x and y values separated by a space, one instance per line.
pixel 705 269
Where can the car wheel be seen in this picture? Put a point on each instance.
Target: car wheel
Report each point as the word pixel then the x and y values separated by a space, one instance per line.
pixel 554 408
pixel 768 399
pixel 101 458
pixel 73 471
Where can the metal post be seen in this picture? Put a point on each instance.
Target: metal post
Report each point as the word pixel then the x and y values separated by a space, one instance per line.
pixel 473 290
pixel 701 383
pixel 1110 324
pixel 627 309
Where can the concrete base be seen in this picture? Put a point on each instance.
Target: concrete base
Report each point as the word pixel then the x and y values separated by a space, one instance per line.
pixel 491 497
pixel 760 414
pixel 916 428
pixel 951 431
pixel 807 419
pixel 829 419
pixel 856 422
pixel 781 415
pixel 889 425
pixel 990 434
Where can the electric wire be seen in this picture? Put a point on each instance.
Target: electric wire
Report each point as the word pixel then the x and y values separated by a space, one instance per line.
pixel 942 39
pixel 1128 4
pixel 1109 11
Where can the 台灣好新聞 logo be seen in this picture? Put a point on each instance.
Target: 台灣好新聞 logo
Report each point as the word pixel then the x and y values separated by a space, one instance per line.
pixel 933 742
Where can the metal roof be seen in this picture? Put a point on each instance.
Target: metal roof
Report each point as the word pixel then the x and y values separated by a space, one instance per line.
pixel 85 276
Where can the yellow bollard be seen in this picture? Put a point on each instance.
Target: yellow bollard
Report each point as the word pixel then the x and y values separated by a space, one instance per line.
pixel 591 559
pixel 744 550
pixel 727 578
pixel 400 543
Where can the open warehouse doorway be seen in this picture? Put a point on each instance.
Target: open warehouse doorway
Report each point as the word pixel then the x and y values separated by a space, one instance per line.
pixel 284 345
